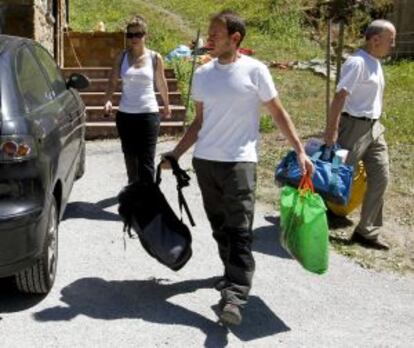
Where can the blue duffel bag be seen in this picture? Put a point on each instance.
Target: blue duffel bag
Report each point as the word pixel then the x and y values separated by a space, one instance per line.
pixel 331 178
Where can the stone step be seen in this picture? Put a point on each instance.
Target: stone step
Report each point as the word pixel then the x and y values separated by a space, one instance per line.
pixel 98 98
pixel 105 130
pixel 96 114
pixel 103 72
pixel 100 85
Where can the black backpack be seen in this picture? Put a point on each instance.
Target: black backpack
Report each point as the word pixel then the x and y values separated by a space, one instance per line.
pixel 144 208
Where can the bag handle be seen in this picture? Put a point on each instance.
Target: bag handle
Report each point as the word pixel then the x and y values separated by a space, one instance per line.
pixel 183 180
pixel 306 184
pixel 327 153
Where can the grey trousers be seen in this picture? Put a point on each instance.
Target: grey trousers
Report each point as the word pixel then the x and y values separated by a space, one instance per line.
pixel 365 141
pixel 228 191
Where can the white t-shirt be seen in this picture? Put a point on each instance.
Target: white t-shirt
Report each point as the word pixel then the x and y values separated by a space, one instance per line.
pixel 363 79
pixel 231 95
pixel 138 94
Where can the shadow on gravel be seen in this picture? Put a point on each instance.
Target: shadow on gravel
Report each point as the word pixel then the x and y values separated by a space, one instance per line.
pixel 92 211
pixel 148 300
pixel 258 321
pixel 11 300
pixel 267 239
pixel 338 222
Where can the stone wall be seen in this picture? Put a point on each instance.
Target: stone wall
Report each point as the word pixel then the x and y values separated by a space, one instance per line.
pixel 36 20
pixel 44 21
pixel 92 49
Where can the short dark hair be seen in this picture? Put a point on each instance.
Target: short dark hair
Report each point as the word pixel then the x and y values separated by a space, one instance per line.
pixel 234 23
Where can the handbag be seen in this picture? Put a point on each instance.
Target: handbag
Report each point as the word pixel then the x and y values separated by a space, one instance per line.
pixel 144 209
pixel 304 226
pixel 331 178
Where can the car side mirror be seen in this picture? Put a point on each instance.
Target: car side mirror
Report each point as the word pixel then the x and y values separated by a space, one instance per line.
pixel 77 81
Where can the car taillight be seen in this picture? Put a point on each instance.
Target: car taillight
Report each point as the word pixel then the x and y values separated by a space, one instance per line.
pixel 16 148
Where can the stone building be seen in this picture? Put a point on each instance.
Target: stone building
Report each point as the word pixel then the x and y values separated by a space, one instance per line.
pixel 41 20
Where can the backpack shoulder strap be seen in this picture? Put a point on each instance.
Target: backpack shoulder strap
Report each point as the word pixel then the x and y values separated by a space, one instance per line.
pixel 183 180
pixel 124 52
pixel 154 59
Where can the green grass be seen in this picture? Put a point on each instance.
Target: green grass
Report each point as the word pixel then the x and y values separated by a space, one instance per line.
pixel 399 102
pixel 165 31
pixel 274 27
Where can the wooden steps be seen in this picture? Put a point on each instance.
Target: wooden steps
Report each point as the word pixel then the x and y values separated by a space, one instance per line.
pixel 99 125
pixel 103 72
pixel 100 85
pixel 98 98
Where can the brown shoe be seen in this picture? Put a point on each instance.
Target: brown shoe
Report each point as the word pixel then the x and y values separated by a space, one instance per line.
pixel 370 243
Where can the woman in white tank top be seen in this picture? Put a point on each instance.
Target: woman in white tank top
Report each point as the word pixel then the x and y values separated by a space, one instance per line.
pixel 137 119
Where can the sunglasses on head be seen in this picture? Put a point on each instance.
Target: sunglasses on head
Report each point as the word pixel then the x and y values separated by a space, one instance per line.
pixel 138 35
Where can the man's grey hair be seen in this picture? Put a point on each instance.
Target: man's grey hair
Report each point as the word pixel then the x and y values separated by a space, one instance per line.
pixel 377 27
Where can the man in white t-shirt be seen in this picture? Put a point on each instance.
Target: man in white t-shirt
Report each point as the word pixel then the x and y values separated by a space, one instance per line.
pixel 228 92
pixel 354 124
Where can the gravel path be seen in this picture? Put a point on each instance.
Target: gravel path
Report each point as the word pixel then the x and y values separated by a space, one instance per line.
pixel 106 296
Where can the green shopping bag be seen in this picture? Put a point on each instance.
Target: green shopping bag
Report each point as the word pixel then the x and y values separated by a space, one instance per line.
pixel 304 226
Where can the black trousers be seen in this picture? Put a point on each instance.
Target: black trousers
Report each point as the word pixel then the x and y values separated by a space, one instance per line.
pixel 138 134
pixel 228 191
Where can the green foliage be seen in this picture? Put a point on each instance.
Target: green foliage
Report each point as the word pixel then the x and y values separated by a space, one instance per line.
pixel 399 102
pixel 183 69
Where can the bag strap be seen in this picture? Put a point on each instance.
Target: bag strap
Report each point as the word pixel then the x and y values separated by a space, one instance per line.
pixel 328 154
pixel 183 180
pixel 154 60
pixel 124 52
pixel 306 183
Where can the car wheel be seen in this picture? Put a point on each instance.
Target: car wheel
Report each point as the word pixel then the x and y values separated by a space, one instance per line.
pixel 39 278
pixel 81 165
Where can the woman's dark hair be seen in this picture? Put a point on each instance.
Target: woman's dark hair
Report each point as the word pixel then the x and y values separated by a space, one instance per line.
pixel 233 22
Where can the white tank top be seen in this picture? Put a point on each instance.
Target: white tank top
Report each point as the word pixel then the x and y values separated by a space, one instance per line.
pixel 138 94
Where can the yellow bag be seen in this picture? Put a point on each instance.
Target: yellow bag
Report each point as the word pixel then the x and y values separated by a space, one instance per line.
pixel 359 186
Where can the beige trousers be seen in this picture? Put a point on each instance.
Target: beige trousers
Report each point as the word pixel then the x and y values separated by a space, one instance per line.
pixel 365 141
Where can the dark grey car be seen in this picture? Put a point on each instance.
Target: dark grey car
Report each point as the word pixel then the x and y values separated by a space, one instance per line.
pixel 42 152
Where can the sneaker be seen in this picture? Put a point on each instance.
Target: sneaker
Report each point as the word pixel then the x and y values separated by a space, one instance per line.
pixel 231 314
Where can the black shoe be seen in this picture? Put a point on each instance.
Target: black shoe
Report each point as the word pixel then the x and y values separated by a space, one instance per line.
pixel 231 314
pixel 370 243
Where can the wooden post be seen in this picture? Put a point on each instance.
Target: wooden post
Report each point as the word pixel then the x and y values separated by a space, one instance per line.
pixel 191 76
pixel 339 50
pixel 328 69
